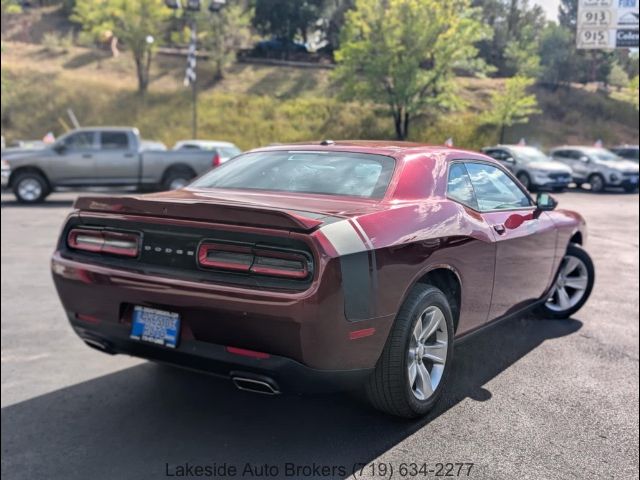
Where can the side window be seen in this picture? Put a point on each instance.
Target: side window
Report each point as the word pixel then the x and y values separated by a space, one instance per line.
pixel 114 140
pixel 497 154
pixel 459 186
pixel 575 154
pixel 80 141
pixel 560 154
pixel 494 189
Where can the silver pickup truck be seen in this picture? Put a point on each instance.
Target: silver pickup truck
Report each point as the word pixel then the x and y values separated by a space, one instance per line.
pixel 103 156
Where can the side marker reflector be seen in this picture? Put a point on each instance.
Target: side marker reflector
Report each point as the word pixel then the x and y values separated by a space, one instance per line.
pixel 365 332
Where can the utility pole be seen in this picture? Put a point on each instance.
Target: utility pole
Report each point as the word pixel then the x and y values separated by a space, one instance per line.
pixel 191 7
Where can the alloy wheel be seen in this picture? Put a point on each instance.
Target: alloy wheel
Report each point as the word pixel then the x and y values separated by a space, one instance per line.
pixel 570 286
pixel 597 184
pixel 29 189
pixel 427 353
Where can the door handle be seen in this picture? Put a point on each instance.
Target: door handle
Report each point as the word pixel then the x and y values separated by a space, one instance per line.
pixel 500 229
pixel 87 155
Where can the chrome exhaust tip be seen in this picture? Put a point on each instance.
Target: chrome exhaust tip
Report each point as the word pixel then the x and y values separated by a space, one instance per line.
pixel 99 345
pixel 265 387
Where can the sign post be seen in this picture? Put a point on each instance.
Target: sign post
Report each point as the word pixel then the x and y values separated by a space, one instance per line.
pixel 607 24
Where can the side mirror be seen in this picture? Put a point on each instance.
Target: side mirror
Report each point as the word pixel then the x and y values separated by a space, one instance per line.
pixel 545 202
pixel 510 160
pixel 584 159
pixel 59 148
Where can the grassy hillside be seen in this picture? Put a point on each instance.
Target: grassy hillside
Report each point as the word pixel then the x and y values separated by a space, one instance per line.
pixel 256 105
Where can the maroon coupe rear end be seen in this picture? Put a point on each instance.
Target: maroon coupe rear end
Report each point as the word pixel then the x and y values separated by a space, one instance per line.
pixel 307 267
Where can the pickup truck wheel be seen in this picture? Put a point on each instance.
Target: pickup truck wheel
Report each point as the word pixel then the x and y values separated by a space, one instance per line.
pixel 30 187
pixel 573 284
pixel 416 360
pixel 176 179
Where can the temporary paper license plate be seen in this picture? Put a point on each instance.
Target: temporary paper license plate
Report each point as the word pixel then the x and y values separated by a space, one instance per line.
pixel 155 326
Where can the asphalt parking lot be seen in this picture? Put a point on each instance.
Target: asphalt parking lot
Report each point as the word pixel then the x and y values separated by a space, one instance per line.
pixel 530 399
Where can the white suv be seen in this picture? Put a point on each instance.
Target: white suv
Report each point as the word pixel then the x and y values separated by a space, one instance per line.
pixel 598 167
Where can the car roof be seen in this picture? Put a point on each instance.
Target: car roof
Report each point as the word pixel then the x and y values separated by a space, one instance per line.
pixel 396 149
pixel 212 143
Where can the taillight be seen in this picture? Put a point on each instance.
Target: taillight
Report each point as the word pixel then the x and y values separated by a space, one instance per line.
pixel 280 264
pixel 239 258
pixel 226 257
pixel 104 241
pixel 216 160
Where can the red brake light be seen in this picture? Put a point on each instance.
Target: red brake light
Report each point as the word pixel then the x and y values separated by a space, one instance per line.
pixel 239 258
pixel 103 241
pixel 215 161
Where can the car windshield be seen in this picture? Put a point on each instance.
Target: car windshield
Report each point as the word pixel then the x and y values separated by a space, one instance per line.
pixel 602 154
pixel 328 173
pixel 529 154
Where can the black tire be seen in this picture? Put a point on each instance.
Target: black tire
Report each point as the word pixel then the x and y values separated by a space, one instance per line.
pixel 577 251
pixel 525 180
pixel 39 191
pixel 597 182
pixel 177 175
pixel 388 388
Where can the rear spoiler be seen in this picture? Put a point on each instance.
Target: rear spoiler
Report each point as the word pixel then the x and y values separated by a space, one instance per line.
pixel 218 212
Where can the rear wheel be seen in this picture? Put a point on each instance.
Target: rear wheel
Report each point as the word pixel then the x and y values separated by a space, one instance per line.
pixel 597 183
pixel 416 360
pixel 177 178
pixel 573 284
pixel 30 187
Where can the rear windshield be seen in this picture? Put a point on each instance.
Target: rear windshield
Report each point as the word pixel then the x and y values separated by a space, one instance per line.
pixel 329 173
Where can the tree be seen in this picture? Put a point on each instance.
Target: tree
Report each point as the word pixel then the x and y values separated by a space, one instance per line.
pixel 223 34
pixel 139 24
pixel 557 59
pixel 633 92
pixel 287 18
pixel 517 26
pixel 402 53
pixel 521 54
pixel 618 77
pixel 511 105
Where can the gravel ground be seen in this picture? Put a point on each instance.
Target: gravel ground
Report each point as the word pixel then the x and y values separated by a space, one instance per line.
pixel 529 398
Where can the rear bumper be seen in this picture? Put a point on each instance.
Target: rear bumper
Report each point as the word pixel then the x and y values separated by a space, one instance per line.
pixel 305 334
pixel 284 374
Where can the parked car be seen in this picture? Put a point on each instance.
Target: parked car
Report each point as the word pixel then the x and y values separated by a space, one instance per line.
pixel 225 150
pixel 534 169
pixel 100 156
pixel 278 47
pixel 598 167
pixel 629 152
pixel 319 266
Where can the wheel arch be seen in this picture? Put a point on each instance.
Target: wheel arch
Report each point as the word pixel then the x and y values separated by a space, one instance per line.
pixel 447 279
pixel 577 237
pixel 177 167
pixel 29 169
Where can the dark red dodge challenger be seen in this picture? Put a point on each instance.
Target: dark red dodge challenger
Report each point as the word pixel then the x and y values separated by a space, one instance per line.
pixel 302 267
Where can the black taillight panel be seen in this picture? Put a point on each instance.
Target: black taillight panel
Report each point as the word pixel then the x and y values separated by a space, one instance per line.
pixel 237 258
